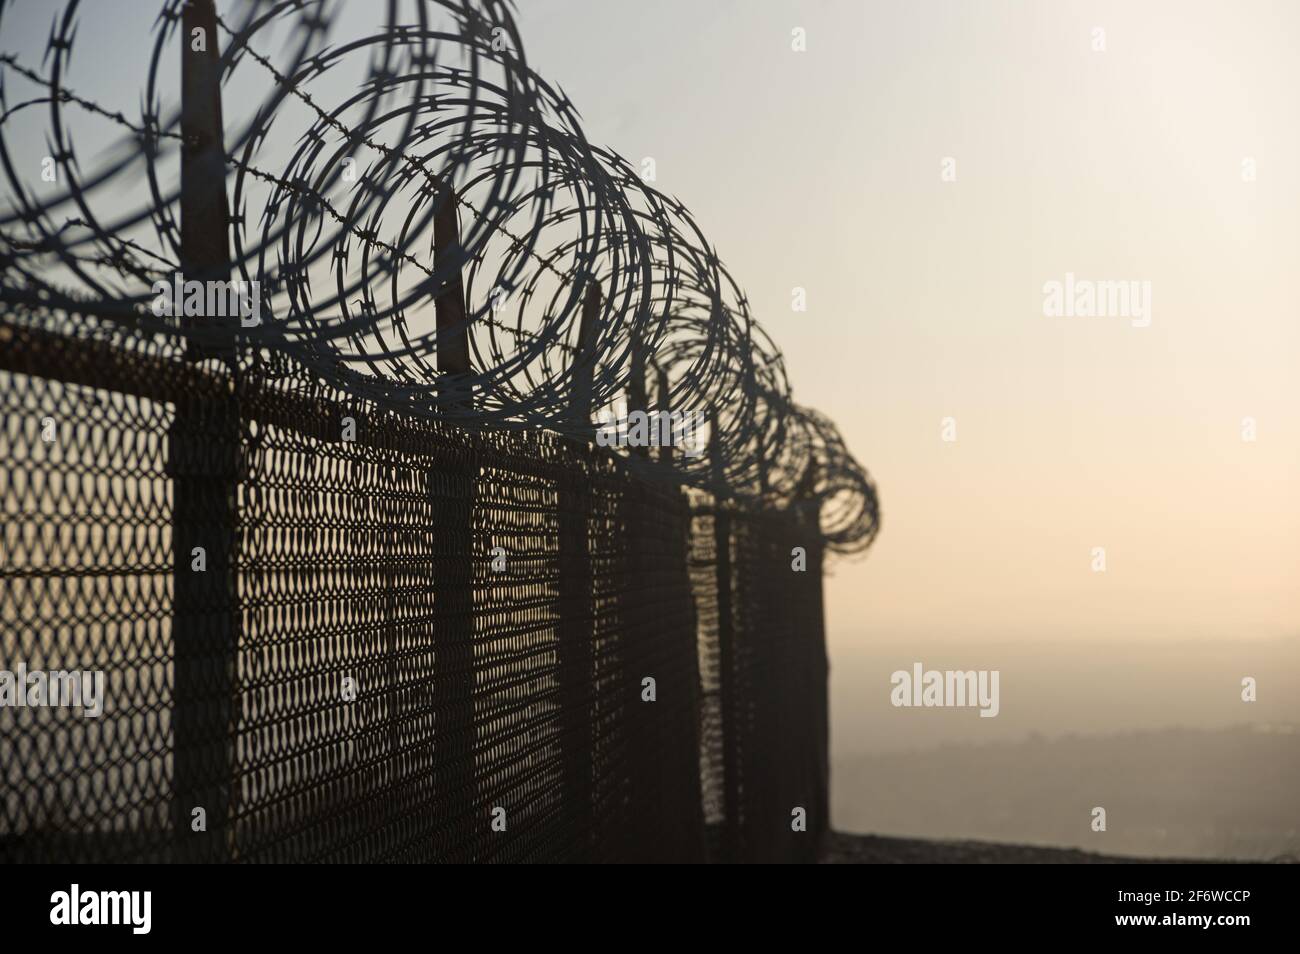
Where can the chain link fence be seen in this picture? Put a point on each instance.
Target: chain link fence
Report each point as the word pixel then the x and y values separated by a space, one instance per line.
pixel 329 632
pixel 328 534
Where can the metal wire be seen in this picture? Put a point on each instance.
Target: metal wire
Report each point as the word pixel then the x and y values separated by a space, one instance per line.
pixel 347 610
pixel 447 104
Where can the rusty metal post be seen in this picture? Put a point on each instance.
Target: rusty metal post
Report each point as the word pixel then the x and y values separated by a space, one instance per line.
pixel 204 464
pixel 819 676
pixel 752 384
pixel 727 675
pixel 635 653
pixel 453 333
pixel 661 385
pixel 637 399
pixel 455 731
pixel 584 361
pixel 575 603
pixel 205 211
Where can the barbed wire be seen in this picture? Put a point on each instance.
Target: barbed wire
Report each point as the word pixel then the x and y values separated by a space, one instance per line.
pixel 335 193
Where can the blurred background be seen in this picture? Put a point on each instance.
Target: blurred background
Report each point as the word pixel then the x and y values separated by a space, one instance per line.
pixel 822 170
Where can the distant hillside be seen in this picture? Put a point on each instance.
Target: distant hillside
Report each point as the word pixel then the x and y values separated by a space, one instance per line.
pixel 845 849
pixel 1231 794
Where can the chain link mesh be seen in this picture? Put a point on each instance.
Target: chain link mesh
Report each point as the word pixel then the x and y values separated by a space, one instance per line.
pixel 396 628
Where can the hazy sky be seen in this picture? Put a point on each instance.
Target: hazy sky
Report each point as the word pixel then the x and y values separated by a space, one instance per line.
pixel 822 170
pixel 925 300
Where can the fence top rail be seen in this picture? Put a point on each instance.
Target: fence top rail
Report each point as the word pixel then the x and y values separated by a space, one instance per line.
pixel 170 379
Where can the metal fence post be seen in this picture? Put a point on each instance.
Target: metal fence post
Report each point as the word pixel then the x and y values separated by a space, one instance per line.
pixel 204 463
pixel 644 829
pixel 818 663
pixel 454 679
pixel 727 675
pixel 665 441
pixel 575 602
pixel 637 399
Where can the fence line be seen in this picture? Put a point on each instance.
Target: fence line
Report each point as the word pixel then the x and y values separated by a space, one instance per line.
pixel 348 566
pixel 367 590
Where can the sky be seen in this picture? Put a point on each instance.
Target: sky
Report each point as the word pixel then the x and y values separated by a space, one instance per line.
pixel 1152 143
pixel 823 170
